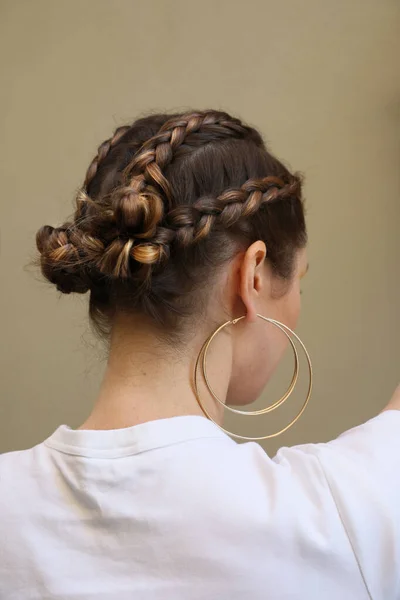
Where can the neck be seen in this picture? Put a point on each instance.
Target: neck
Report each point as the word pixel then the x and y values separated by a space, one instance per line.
pixel 147 379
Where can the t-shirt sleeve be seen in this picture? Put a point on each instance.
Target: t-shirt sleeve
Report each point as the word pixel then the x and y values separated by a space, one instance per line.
pixel 362 469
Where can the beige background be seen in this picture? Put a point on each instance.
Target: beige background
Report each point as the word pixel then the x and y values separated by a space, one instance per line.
pixel 321 80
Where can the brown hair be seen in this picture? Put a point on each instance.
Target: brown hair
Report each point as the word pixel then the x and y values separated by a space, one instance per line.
pixel 165 203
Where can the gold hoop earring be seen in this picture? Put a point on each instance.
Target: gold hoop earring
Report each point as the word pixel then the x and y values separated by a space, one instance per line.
pixel 202 359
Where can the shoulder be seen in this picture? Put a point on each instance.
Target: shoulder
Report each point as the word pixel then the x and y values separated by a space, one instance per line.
pixel 285 489
pixel 362 470
pixel 20 471
pixel 10 461
pixel 18 459
pixel 370 451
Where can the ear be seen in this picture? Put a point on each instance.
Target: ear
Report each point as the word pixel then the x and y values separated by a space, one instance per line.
pixel 252 277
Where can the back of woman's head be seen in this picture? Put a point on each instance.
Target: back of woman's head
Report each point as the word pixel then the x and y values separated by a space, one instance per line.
pixel 166 202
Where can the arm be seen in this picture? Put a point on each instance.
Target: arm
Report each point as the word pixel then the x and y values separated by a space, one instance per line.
pixel 394 403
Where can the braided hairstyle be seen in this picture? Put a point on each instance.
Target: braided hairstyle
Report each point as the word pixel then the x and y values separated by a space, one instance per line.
pixel 164 204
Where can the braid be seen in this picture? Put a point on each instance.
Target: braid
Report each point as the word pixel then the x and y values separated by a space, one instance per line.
pixel 102 152
pixel 147 166
pixel 60 259
pixel 191 224
pixel 82 200
pixel 138 208
pixel 139 205
pixel 60 245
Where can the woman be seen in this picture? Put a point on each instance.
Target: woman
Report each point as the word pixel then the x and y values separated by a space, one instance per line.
pixel 185 223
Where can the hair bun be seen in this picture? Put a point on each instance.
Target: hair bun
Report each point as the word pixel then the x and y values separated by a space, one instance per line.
pixel 138 212
pixel 60 260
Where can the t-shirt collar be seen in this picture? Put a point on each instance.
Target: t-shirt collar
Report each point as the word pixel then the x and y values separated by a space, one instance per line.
pixel 133 440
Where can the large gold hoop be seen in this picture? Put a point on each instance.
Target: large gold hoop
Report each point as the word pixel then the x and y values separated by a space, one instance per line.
pixel 261 411
pixel 202 358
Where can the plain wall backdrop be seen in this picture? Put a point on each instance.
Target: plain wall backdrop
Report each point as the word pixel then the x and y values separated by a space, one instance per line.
pixel 319 78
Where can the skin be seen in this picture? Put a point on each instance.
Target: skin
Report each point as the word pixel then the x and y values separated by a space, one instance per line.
pixel 147 379
pixel 394 403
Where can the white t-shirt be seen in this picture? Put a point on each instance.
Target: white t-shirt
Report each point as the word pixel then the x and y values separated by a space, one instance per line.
pixel 175 510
